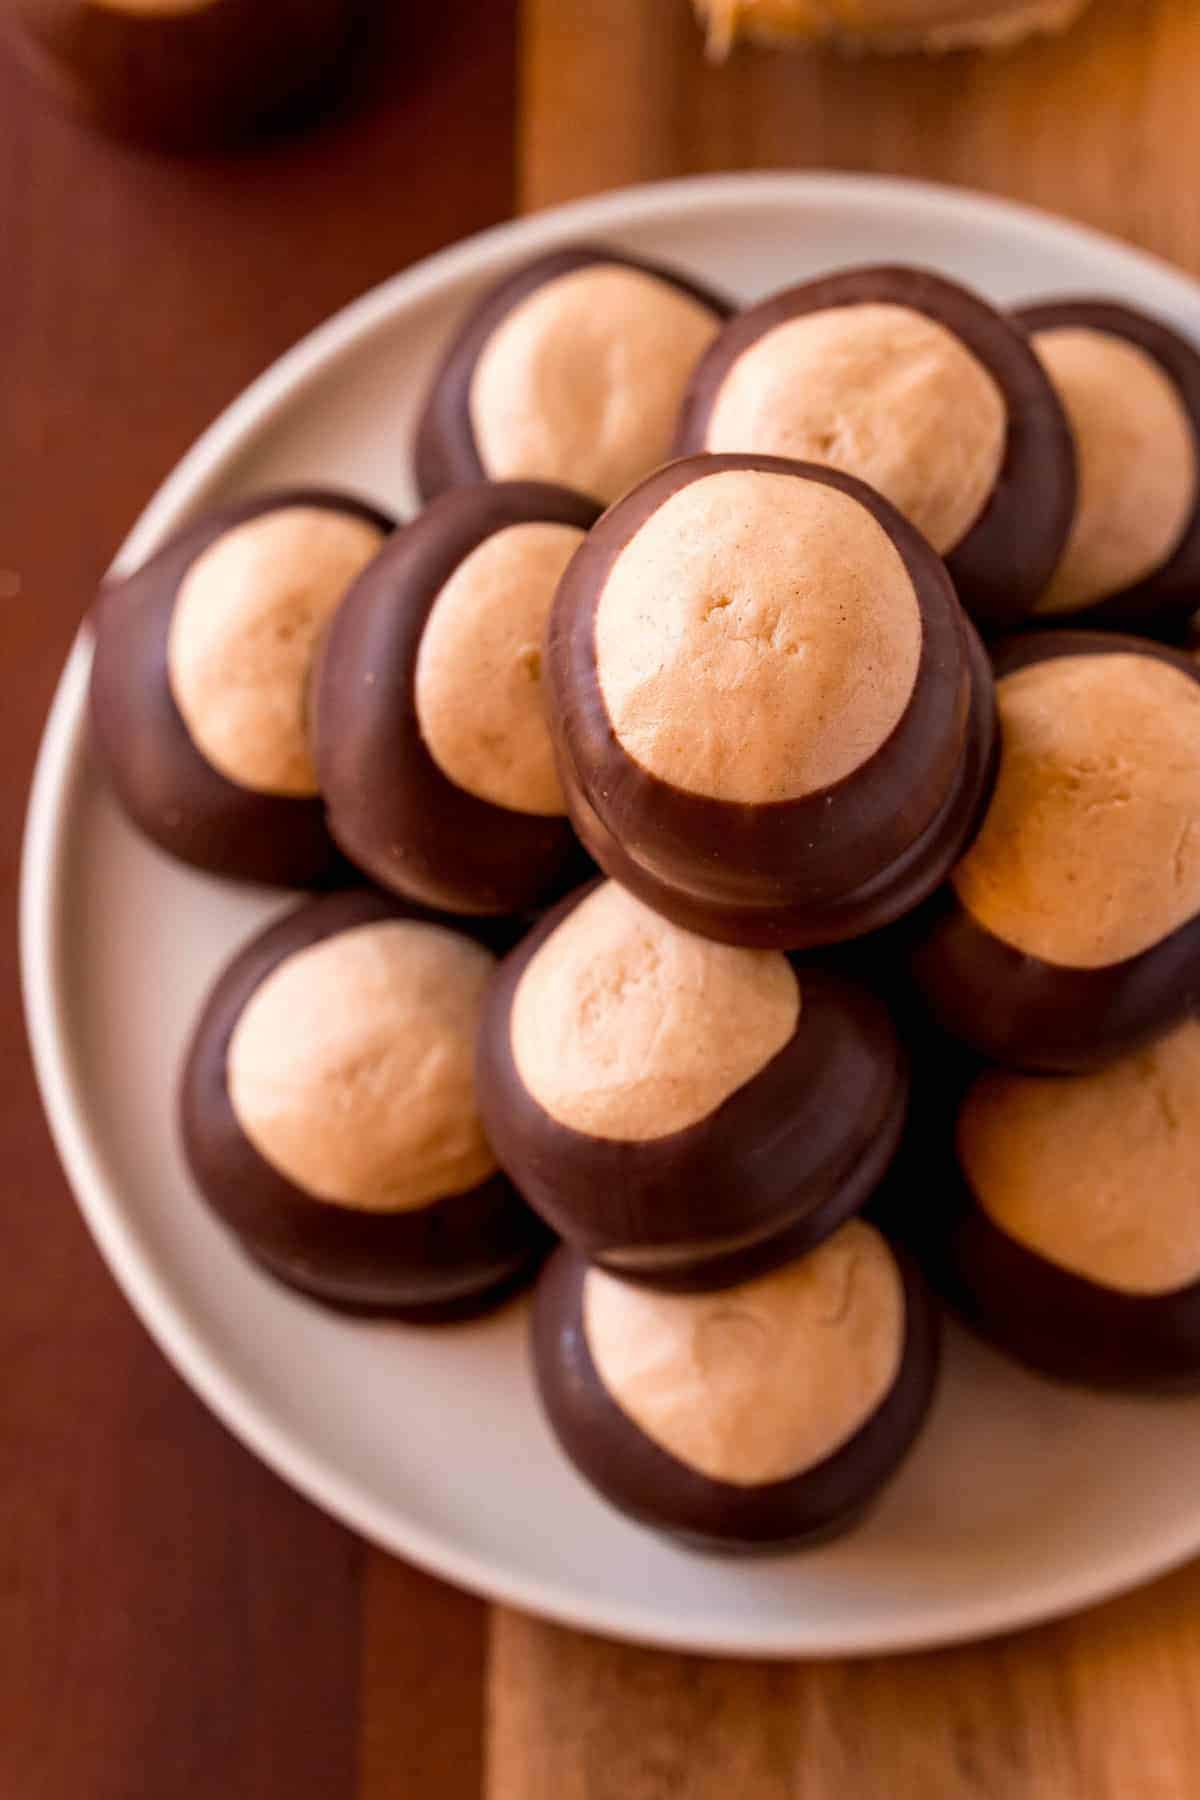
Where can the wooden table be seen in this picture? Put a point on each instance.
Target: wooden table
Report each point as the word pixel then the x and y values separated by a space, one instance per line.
pixel 173 1622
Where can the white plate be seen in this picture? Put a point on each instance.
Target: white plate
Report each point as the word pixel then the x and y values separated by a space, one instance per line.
pixel 1023 1500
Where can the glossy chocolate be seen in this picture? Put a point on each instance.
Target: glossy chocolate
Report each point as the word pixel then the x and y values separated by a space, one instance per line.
pixel 394 812
pixel 1028 1014
pixel 656 1489
pixel 765 1176
pixel 1165 603
pixel 446 454
pixel 1006 558
pixel 445 1260
pixel 168 788
pixel 792 874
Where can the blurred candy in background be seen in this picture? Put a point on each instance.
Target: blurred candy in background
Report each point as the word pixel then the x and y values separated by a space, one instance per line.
pixel 185 73
pixel 188 74
pixel 882 24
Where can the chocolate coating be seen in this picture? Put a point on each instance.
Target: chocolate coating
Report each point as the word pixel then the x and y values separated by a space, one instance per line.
pixel 797 873
pixel 446 454
pixel 1029 1014
pixel 444 1260
pixel 656 1489
pixel 1006 558
pixel 1164 604
pixel 414 830
pixel 168 788
pixel 765 1176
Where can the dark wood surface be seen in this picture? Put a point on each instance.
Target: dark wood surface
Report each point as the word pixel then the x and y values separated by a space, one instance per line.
pixel 174 1623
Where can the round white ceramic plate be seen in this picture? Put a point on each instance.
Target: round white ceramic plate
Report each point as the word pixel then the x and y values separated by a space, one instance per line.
pixel 1022 1500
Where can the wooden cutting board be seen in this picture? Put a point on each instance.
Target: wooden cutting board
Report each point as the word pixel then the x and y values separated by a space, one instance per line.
pixel 1104 126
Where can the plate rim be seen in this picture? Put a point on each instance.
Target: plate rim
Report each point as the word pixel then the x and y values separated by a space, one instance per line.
pixel 60 766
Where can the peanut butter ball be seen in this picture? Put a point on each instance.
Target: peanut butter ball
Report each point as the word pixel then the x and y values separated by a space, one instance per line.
pixel 329 1114
pixel 570 370
pixel 1072 1235
pixel 1069 933
pixel 770 1413
pixel 684 1112
pixel 1130 386
pixel 200 683
pixel 923 390
pixel 774 722
pixel 433 746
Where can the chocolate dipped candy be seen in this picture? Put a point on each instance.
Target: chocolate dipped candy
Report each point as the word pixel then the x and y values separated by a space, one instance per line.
pixel 684 1112
pixel 570 370
pixel 774 722
pixel 432 746
pixel 329 1119
pixel 919 388
pixel 199 689
pixel 1131 389
pixel 1070 931
pixel 770 1413
pixel 1072 1230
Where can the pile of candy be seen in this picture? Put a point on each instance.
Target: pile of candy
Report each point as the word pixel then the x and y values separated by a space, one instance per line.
pixel 869 695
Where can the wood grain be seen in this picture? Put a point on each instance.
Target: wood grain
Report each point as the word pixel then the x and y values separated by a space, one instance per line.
pixel 1100 125
pixel 1099 1707
pixel 174 1623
